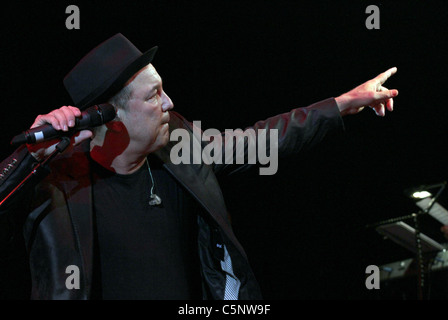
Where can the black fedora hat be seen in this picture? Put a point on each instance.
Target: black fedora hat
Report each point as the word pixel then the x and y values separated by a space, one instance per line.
pixel 105 70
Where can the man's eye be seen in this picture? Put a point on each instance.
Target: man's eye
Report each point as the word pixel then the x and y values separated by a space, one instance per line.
pixel 153 97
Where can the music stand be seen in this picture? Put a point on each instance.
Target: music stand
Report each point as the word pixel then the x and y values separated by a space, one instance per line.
pixel 404 235
pixel 403 230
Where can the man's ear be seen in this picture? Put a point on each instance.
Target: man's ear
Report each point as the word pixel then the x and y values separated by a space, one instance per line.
pixel 118 112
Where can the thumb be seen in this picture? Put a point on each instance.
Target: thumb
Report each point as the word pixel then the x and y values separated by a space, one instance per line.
pixel 82 136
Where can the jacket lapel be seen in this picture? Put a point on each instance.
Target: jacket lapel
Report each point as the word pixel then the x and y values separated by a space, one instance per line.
pixel 201 182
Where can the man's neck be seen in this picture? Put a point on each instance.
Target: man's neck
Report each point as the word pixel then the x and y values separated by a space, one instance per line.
pixel 124 163
pixel 113 149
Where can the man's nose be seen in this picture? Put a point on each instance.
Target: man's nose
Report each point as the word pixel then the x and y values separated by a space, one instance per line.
pixel 167 104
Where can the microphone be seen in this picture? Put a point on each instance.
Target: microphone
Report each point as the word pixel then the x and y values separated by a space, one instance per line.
pixel 91 117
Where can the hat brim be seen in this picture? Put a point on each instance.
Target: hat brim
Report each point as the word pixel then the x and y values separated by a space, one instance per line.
pixel 116 82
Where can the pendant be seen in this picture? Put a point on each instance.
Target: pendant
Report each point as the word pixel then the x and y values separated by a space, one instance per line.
pixel 155 200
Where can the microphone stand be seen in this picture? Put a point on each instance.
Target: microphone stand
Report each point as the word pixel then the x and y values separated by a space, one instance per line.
pixel 60 147
pixel 418 244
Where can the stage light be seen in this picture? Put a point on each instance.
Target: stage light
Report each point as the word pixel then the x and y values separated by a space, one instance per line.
pixel 425 191
pixel 421 194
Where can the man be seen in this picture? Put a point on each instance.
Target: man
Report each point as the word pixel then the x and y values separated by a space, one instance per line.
pixel 136 225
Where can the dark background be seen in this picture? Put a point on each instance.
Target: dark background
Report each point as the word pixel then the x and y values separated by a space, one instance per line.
pixel 231 63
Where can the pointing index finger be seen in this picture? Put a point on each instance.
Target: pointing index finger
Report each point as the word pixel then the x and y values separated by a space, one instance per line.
pixel 382 77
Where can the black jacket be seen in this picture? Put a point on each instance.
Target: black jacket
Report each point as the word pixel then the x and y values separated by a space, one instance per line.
pixel 55 209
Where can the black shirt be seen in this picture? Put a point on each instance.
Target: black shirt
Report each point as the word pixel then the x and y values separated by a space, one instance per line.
pixel 145 252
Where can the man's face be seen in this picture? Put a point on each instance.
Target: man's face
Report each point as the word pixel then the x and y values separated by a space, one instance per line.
pixel 146 117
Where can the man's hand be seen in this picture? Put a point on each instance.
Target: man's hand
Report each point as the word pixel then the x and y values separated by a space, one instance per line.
pixel 371 93
pixel 61 119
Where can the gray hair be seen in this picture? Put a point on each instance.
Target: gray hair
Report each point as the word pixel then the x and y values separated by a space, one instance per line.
pixel 121 99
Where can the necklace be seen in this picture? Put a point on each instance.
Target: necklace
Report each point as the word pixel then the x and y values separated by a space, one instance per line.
pixel 154 199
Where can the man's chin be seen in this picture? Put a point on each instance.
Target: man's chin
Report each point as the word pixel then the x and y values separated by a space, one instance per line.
pixel 161 142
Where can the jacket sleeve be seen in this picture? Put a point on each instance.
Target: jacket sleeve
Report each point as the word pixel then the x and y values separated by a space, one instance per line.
pixel 13 171
pixel 295 131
